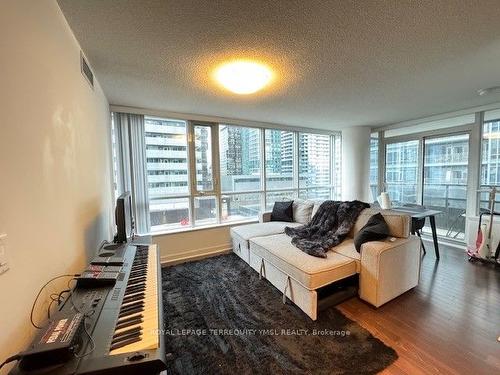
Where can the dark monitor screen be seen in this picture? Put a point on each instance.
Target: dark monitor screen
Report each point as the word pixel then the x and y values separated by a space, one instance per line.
pixel 124 218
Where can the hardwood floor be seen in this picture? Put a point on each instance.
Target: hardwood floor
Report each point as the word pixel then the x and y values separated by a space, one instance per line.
pixel 449 324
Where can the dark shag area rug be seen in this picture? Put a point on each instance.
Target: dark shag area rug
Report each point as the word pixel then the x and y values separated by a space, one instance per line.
pixel 221 319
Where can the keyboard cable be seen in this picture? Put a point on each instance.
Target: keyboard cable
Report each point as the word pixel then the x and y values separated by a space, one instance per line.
pixel 40 292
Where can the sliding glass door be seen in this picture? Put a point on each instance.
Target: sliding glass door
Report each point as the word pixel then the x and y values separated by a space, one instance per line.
pixel 431 171
pixel 401 171
pixel 445 182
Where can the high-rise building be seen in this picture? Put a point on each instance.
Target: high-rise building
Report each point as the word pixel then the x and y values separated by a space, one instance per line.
pixel 274 149
pixel 286 146
pixel 314 160
pixel 167 166
pixel 166 157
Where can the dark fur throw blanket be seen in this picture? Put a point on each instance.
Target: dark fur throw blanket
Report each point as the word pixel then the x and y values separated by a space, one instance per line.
pixel 329 226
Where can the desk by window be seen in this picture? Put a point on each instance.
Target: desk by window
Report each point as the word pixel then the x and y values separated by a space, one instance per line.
pixel 420 212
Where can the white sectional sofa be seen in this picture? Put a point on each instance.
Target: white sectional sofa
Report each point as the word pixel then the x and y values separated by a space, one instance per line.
pixel 386 268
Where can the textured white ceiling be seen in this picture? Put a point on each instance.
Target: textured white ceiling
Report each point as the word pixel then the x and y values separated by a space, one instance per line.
pixel 338 63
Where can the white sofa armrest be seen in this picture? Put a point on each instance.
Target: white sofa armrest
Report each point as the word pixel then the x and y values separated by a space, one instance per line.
pixel 265 217
pixel 388 269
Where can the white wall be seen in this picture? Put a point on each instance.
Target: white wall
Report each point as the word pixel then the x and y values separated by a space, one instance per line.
pixel 55 190
pixel 356 163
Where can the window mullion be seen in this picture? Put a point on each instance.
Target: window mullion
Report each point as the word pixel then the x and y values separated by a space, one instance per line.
pixel 192 171
pixel 216 171
pixel 420 170
pixel 263 172
pixel 296 163
pixel 331 164
pixel 474 166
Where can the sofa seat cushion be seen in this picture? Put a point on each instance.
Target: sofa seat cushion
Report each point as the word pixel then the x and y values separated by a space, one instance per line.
pixel 311 272
pixel 347 249
pixel 261 229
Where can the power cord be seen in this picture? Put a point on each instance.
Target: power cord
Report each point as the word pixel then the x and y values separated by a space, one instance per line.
pixel 11 359
pixel 104 242
pixel 91 339
pixel 40 292
pixel 86 315
pixel 57 297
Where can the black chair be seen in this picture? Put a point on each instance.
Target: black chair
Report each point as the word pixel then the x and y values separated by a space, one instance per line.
pixel 417 225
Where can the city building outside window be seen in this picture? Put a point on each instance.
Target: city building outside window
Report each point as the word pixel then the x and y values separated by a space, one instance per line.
pixel 167 169
pixel 240 172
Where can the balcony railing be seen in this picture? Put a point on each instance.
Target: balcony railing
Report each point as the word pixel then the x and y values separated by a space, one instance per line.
pixel 451 199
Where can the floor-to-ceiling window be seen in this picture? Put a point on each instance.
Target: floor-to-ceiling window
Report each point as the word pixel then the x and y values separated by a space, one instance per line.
pixel 445 182
pixel 200 174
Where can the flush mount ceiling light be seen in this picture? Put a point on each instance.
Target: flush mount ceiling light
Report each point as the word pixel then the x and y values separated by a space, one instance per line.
pixel 489 90
pixel 243 77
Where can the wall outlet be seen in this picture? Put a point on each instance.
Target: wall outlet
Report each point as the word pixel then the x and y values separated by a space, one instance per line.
pixel 4 264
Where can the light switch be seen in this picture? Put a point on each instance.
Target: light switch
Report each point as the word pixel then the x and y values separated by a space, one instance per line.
pixel 4 265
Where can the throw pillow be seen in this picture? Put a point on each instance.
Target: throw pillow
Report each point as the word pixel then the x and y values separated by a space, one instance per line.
pixel 302 211
pixel 375 229
pixel 282 211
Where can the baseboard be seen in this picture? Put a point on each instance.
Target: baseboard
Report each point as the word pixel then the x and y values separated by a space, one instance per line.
pixel 455 244
pixel 207 252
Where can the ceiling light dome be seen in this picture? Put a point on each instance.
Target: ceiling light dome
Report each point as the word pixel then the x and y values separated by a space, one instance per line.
pixel 243 77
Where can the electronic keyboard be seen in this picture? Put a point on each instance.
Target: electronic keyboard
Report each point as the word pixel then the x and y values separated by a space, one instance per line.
pixel 122 323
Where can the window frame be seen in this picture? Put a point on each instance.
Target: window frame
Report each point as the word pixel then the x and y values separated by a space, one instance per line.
pixel 420 137
pixel 472 180
pixel 218 194
pixel 193 181
pixel 259 191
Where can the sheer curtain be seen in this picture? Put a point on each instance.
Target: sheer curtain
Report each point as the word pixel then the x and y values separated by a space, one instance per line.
pixel 131 166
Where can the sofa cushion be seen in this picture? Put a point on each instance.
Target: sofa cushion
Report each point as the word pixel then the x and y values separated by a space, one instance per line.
pixel 261 229
pixel 302 211
pixel 311 272
pixel 347 249
pixel 398 223
pixel 282 211
pixel 317 203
